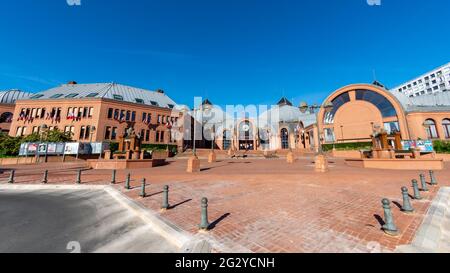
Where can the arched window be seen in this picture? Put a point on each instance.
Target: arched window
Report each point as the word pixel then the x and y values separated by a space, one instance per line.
pixel 430 127
pixel 384 105
pixel 446 126
pixel 284 139
pixel 226 140
pixel 6 117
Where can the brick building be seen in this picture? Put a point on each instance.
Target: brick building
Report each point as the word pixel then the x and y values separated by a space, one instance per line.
pixel 98 112
pixel 7 103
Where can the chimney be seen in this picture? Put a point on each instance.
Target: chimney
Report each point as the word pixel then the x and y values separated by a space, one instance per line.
pixel 72 82
pixel 160 91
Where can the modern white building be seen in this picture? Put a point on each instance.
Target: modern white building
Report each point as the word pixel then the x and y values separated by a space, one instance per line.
pixel 435 81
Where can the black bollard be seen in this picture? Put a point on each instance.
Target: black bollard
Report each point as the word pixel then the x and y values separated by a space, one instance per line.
pixel 78 177
pixel 113 178
pixel 143 194
pixel 11 177
pixel 204 224
pixel 45 178
pixel 423 181
pixel 127 182
pixel 433 179
pixel 407 208
pixel 415 186
pixel 165 204
pixel 389 226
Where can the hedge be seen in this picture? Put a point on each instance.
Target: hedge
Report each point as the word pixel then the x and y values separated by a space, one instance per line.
pixel 114 146
pixel 348 146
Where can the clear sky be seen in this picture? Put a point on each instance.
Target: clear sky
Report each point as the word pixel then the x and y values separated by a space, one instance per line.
pixel 231 51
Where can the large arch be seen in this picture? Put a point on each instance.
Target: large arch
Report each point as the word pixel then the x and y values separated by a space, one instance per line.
pixel 358 109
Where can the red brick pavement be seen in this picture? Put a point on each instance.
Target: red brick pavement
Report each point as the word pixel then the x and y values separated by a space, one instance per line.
pixel 268 205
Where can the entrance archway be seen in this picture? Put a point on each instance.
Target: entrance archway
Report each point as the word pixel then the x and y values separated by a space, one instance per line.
pixel 246 136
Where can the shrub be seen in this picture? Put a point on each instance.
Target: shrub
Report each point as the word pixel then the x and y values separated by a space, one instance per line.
pixel 441 147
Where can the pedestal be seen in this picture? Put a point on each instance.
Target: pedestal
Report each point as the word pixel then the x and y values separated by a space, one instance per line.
pixel 193 165
pixel 212 157
pixel 321 164
pixel 416 153
pixel 107 155
pixel 290 158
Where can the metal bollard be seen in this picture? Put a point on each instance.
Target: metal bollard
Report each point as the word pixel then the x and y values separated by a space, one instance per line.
pixel 424 182
pixel 45 178
pixel 389 226
pixel 415 186
pixel 143 194
pixel 165 204
pixel 11 177
pixel 128 181
pixel 204 224
pixel 407 208
pixel 78 177
pixel 113 178
pixel 433 181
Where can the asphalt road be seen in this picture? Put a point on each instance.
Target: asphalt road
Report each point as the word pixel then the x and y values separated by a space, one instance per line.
pixel 63 221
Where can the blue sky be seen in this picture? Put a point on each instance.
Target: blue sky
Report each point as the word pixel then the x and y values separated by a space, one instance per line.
pixel 233 52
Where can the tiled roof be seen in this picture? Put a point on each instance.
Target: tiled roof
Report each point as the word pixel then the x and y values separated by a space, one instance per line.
pixel 10 96
pixel 107 91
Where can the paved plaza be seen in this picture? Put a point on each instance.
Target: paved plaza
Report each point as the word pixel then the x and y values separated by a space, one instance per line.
pixel 266 205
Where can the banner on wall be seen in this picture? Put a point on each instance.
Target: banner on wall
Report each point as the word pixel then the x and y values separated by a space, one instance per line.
pixel 425 146
pixel 71 148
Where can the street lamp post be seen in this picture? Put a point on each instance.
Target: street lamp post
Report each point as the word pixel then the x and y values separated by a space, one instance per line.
pixel 321 160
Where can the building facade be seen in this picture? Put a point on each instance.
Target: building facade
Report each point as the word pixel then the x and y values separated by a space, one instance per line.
pixel 435 81
pixel 7 105
pixel 98 112
pixel 361 109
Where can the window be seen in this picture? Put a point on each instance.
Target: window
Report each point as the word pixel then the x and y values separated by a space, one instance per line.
pixel 116 114
pixel 142 134
pixel 114 133
pixel 171 106
pixel 159 119
pixel 162 136
pixel 88 133
pixel 391 127
pixel 118 97
pixel 91 112
pixel 383 104
pixel 154 103
pixel 430 127
pixel 128 116
pixel 147 136
pixel 226 140
pixel 133 116
pixel 446 127
pixel 108 132
pixel 82 132
pixel 157 136
pixel 36 96
pixel 35 130
pixel 92 95
pixel 284 139
pixel 144 117
pixel 140 101
pixel 110 113
pixel 337 103
pixel 73 95
pixel 56 96
pixel 21 131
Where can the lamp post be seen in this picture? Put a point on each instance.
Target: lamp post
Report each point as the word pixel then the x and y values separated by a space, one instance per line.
pixel 321 160
pixel 43 129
